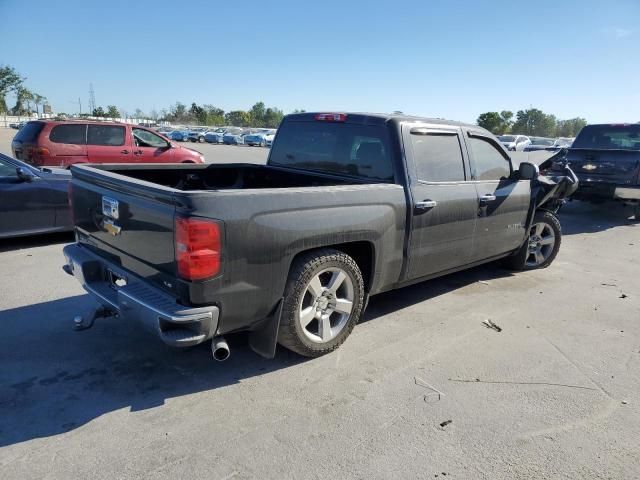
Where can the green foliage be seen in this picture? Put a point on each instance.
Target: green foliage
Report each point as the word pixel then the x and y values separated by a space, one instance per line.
pixel 496 123
pixel 10 81
pixel 532 122
pixel 98 112
pixel 112 112
pixel 238 118
pixel 571 127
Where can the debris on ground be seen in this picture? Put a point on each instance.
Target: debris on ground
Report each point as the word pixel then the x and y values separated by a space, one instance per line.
pixel 445 423
pixel 624 295
pixel 490 324
pixel 624 402
pixel 608 284
pixel 435 391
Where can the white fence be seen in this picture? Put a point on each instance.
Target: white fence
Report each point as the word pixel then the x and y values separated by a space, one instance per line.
pixel 5 120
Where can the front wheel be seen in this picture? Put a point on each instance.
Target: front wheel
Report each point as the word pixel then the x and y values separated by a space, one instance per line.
pixel 541 246
pixel 323 301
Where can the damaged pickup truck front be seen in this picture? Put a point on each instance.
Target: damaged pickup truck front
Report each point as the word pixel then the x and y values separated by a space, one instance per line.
pixel 347 206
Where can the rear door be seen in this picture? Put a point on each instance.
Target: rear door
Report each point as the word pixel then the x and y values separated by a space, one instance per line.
pixel 108 144
pixel 445 202
pixel 502 203
pixel 149 147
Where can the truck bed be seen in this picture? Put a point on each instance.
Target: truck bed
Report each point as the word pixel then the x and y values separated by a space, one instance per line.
pixel 188 177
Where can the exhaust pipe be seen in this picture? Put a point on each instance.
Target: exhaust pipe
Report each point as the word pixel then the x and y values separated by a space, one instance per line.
pixel 220 349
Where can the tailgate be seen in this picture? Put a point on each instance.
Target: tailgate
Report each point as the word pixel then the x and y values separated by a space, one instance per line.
pixel 128 222
pixel 611 166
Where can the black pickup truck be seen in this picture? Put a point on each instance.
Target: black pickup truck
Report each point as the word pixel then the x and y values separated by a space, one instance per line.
pixel 347 206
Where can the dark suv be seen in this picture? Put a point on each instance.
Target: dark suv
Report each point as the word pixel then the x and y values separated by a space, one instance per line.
pixel 606 159
pixel 61 144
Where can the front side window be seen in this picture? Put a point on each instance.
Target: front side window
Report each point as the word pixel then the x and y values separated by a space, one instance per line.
pixel 7 170
pixel 144 138
pixel 488 161
pixel 438 157
pixel 106 135
pixel 75 134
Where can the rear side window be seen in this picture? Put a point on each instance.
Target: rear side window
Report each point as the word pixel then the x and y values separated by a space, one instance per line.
pixel 621 137
pixel 488 162
pixel 342 148
pixel 72 134
pixel 438 157
pixel 29 133
pixel 105 135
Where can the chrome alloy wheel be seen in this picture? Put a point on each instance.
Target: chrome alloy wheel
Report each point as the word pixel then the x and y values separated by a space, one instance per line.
pixel 541 243
pixel 326 305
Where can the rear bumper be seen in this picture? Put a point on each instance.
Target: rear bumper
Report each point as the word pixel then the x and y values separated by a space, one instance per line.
pixel 175 324
pixel 606 191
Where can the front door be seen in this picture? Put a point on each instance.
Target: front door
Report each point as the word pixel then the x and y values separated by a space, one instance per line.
pixel 503 201
pixel 108 144
pixel 151 148
pixel 444 200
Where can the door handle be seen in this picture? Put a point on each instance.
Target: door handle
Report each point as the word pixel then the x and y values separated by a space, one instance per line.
pixel 137 152
pixel 487 198
pixel 426 204
pixel 124 151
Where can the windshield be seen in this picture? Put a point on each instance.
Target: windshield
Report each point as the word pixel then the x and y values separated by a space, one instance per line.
pixel 609 137
pixel 507 138
pixel 356 150
pixel 541 141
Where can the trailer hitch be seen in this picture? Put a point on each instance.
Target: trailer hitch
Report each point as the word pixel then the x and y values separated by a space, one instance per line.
pixel 81 322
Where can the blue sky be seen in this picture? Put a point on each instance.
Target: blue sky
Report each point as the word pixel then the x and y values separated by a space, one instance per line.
pixel 452 59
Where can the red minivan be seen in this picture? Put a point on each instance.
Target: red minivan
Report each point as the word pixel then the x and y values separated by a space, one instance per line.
pixel 63 143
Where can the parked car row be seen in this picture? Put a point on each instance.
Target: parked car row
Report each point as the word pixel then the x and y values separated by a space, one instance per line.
pixel 262 137
pixel 524 143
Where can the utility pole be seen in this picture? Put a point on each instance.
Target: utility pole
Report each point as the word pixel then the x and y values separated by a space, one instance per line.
pixel 79 107
pixel 92 99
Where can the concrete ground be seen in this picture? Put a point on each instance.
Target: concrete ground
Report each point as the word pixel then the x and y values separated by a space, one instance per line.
pixel 421 389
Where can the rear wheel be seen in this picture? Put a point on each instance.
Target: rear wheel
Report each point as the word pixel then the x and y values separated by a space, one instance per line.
pixel 201 139
pixel 541 246
pixel 323 300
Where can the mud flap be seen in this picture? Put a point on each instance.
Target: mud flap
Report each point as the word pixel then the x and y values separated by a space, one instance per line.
pixel 264 340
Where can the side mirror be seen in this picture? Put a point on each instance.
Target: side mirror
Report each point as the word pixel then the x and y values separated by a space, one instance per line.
pixel 24 174
pixel 528 171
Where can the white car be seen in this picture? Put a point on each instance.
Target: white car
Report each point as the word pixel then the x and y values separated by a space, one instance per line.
pixel 269 138
pixel 514 143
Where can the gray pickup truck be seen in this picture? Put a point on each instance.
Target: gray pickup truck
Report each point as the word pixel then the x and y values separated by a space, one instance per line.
pixel 347 206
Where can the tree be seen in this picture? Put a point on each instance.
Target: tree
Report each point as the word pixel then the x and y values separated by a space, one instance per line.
pixel 570 128
pixel 497 123
pixel 215 115
pixel 257 115
pixel 10 81
pixel 198 113
pixel 38 100
pixel 98 112
pixel 272 117
pixel 138 113
pixel 112 112
pixel 534 122
pixel 23 101
pixel 238 118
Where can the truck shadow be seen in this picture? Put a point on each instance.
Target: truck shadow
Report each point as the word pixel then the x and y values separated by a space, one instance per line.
pixel 18 243
pixel 581 217
pixel 54 379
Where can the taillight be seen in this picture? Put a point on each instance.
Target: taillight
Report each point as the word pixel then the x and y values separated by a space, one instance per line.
pixel 42 152
pixel 331 117
pixel 198 248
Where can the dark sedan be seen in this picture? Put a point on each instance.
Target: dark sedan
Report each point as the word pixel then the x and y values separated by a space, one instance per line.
pixel 32 200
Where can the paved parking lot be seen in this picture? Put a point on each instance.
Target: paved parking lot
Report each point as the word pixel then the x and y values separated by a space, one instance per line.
pixel 421 389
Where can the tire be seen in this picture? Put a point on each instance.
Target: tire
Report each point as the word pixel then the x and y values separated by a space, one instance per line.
pixel 541 246
pixel 200 139
pixel 309 296
pixel 263 143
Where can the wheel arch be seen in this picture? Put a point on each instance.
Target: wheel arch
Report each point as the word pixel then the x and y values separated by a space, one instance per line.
pixel 362 252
